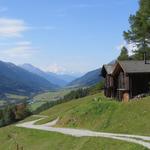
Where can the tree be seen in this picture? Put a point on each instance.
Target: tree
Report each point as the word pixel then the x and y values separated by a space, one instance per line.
pixel 124 54
pixel 21 111
pixel 139 32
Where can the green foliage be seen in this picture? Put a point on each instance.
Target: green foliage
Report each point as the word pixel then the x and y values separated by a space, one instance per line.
pixel 124 54
pixel 7 115
pixel 12 113
pixel 139 32
pixel 45 106
pixel 77 94
pixel 82 92
pixel 21 111
pixel 97 88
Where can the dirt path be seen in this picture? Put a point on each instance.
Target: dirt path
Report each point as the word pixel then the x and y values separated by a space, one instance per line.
pixel 142 140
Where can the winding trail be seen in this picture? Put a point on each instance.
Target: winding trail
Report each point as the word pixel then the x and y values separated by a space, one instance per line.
pixel 141 140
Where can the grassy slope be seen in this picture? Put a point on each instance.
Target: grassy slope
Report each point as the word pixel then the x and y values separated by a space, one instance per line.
pixel 40 140
pixel 103 115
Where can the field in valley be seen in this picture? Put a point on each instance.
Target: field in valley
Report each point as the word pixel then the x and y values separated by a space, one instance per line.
pixel 43 98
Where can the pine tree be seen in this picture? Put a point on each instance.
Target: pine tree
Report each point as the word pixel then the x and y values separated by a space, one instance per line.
pixel 124 54
pixel 139 32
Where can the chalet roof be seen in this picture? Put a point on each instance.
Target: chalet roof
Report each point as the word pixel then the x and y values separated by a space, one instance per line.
pixel 107 69
pixel 134 66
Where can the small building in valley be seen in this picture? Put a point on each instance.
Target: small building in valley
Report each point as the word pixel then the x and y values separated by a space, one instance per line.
pixel 126 79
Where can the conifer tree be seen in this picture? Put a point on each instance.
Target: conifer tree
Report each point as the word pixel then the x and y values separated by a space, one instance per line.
pixel 139 32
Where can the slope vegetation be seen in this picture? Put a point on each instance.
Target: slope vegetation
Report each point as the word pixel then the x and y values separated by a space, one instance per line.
pixel 31 139
pixel 93 112
pixel 101 114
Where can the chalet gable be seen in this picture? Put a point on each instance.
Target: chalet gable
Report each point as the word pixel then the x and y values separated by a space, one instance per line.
pixel 107 70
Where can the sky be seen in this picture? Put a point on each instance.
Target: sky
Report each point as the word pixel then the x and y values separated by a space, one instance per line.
pixel 63 36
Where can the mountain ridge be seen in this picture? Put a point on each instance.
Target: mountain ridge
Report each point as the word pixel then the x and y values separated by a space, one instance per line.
pixel 15 79
pixel 60 80
pixel 89 79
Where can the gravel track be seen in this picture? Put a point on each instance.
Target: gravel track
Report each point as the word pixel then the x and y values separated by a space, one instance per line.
pixel 141 140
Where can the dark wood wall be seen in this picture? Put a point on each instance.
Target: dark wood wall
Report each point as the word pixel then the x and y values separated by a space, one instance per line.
pixel 109 84
pixel 123 81
pixel 140 83
pixel 130 85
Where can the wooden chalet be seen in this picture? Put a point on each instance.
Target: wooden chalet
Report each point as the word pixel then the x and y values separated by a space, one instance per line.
pixel 126 79
pixel 107 71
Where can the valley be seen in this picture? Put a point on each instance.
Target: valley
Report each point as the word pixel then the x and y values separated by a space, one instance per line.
pixel 75 75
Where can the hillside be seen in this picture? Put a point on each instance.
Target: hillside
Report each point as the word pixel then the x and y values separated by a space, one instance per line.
pixel 102 114
pixel 16 80
pixel 89 79
pixel 60 80
pixel 93 112
pixel 31 139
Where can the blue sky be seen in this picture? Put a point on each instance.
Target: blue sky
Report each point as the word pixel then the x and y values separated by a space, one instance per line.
pixel 63 35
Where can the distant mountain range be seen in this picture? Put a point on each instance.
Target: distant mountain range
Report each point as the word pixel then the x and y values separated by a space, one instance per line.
pixel 89 79
pixel 60 80
pixel 28 80
pixel 14 79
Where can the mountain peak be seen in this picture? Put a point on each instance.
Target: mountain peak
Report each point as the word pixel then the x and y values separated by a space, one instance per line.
pixel 60 80
pixel 14 79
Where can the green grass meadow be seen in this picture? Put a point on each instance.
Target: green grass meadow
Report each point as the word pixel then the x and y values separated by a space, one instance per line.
pixel 31 139
pixel 93 112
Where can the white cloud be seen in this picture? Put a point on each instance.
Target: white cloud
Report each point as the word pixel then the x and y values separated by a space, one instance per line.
pixel 58 69
pixel 131 47
pixel 19 50
pixel 16 27
pixel 55 68
pixel 12 27
pixel 16 43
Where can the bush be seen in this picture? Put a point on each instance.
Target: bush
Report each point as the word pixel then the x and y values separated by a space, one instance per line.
pixel 13 113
